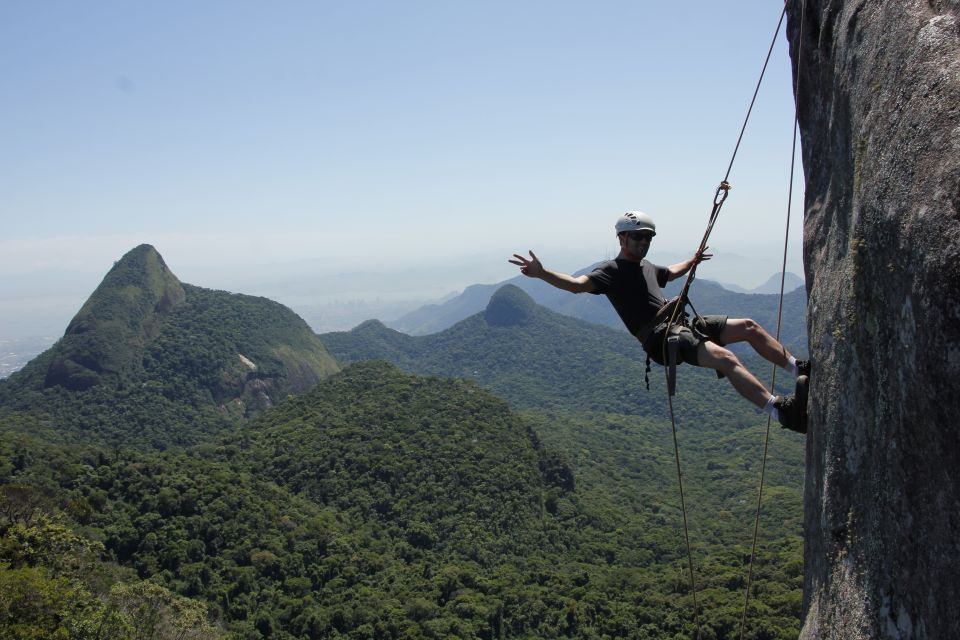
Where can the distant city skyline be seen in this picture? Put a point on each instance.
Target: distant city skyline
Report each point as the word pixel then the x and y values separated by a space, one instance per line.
pixel 284 150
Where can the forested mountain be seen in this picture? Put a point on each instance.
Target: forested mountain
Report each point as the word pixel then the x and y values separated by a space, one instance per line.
pixel 377 504
pixel 582 387
pixel 384 505
pixel 708 298
pixel 535 357
pixel 152 362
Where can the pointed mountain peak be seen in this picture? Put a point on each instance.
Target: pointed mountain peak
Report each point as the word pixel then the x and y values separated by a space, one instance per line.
pixel 140 250
pixel 124 311
pixel 141 266
pixel 371 326
pixel 510 306
pixel 790 282
pixel 138 285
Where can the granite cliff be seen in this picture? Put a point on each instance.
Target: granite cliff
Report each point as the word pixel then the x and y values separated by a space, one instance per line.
pixel 878 86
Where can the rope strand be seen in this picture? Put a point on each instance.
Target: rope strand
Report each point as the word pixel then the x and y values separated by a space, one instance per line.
pixel 756 91
pixel 773 377
pixel 720 196
pixel 773 383
pixel 683 510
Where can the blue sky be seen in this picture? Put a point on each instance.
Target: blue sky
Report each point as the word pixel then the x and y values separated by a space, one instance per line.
pixel 260 146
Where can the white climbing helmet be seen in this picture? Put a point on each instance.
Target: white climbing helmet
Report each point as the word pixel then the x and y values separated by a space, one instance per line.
pixel 635 221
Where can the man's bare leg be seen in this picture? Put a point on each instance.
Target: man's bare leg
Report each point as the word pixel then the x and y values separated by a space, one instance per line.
pixel 746 330
pixel 714 356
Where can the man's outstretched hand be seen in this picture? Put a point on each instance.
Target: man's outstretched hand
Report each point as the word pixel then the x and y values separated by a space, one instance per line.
pixel 701 256
pixel 531 268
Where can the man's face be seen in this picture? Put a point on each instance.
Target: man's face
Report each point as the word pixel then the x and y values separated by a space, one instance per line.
pixel 636 243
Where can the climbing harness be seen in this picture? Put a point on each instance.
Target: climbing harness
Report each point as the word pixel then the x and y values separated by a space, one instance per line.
pixel 677 318
pixel 661 319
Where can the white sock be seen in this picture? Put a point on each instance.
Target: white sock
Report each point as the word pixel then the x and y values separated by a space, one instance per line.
pixel 771 409
pixel 792 367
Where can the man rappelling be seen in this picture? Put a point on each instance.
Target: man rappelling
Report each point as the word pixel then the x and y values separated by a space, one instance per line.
pixel 633 285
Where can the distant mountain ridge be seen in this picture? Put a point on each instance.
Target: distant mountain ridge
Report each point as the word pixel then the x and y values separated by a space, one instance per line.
pixel 146 350
pixel 790 282
pixel 530 355
pixel 707 296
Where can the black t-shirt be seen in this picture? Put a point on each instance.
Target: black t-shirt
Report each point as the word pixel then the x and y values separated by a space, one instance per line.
pixel 634 289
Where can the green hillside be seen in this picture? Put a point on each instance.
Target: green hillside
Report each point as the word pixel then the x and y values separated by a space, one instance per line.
pixel 378 504
pixel 536 358
pixel 519 350
pixel 581 385
pixel 151 362
pixel 441 460
pixel 385 505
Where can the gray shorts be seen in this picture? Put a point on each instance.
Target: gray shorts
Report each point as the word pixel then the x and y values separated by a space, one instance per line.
pixel 709 329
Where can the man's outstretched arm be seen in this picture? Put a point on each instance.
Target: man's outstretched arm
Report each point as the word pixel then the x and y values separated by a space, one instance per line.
pixel 532 268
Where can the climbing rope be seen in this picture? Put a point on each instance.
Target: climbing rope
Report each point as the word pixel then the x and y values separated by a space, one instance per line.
pixel 783 276
pixel 723 190
pixel 773 382
pixel 720 196
pixel 683 510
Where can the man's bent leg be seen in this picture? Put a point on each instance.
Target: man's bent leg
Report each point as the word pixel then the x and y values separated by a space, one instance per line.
pixel 746 330
pixel 715 357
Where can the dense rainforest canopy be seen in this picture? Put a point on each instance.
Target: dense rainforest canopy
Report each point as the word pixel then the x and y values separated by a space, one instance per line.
pixel 383 504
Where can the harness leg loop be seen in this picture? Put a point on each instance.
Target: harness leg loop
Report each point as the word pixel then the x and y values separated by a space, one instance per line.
pixel 673 343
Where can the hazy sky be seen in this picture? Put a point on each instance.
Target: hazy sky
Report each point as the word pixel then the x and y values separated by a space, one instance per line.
pixel 261 147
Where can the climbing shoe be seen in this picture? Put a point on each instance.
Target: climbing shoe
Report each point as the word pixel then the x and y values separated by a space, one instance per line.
pixel 803 368
pixel 792 410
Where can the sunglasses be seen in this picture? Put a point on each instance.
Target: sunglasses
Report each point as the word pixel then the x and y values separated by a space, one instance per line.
pixel 637 236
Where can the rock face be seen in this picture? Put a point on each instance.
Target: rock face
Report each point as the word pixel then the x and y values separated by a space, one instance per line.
pixel 879 107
